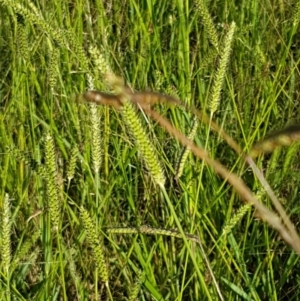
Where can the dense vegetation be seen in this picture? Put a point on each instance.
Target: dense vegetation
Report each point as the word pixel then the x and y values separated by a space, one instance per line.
pixel 105 203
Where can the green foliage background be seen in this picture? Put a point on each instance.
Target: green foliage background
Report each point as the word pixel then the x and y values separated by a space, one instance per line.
pixel 92 161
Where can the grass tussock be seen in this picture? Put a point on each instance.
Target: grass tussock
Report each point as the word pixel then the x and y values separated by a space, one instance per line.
pixel 175 180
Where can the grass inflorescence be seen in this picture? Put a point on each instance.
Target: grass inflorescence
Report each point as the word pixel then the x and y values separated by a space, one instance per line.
pixel 138 186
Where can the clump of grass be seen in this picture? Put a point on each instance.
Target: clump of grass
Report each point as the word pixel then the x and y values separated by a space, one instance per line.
pixel 35 17
pixel 261 92
pixel 290 237
pixel 147 98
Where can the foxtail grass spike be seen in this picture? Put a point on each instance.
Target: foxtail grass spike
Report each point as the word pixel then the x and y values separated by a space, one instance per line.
pixel 34 9
pixel 235 219
pixel 172 91
pixel 96 138
pixel 78 50
pixel 90 81
pixel 186 150
pixel 145 147
pixel 296 18
pixel 22 38
pixel 53 68
pixel 95 130
pixel 52 184
pixel 151 231
pixel 240 214
pixel 220 75
pixel 135 126
pixel 136 287
pixel 62 37
pixel 281 138
pixel 100 61
pixel 5 236
pixel 96 245
pixel 207 22
pixel 260 55
pixel 115 82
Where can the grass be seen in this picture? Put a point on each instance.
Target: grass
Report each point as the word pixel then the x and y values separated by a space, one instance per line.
pixel 93 205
